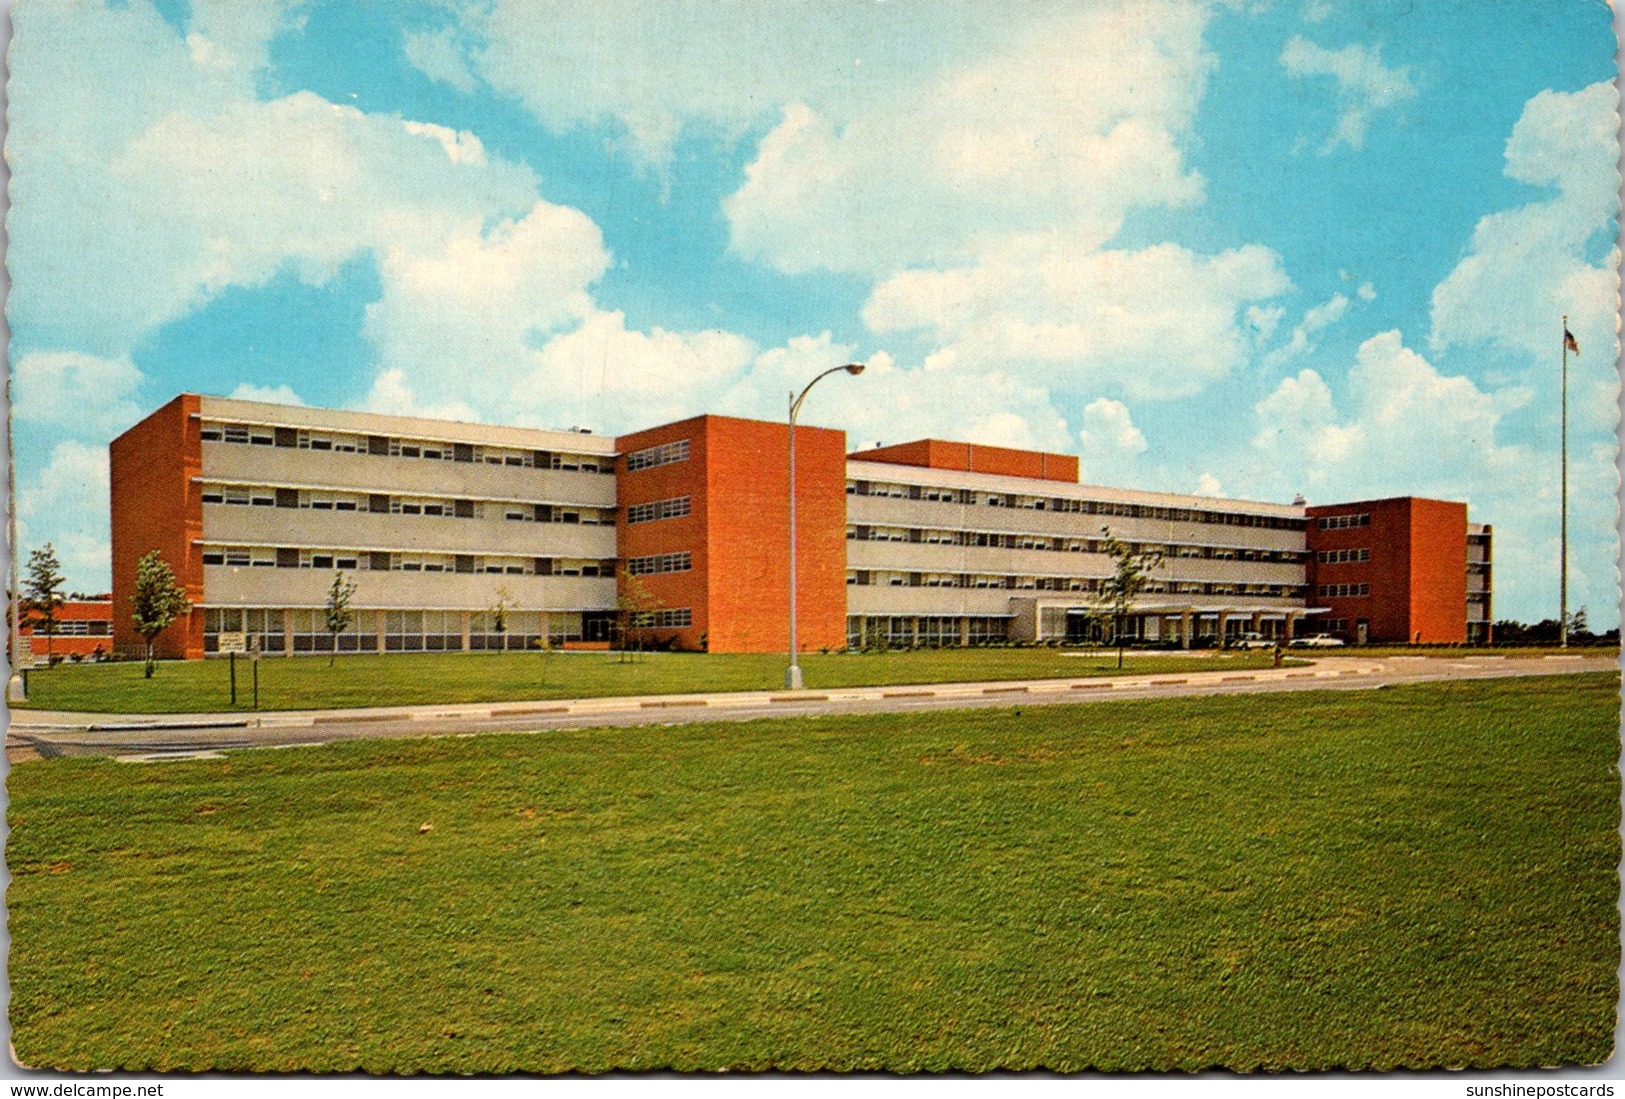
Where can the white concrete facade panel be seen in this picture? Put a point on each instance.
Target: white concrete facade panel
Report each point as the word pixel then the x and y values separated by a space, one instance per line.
pixel 933 515
pixel 889 473
pixel 927 601
pixel 225 586
pixel 234 524
pixel 237 463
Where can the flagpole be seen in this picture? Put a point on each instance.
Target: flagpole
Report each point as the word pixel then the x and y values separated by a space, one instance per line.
pixel 1563 564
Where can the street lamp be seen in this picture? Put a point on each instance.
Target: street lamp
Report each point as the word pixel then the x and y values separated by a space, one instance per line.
pixel 792 675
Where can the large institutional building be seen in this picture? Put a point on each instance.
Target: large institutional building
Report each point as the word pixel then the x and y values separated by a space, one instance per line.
pixel 256 506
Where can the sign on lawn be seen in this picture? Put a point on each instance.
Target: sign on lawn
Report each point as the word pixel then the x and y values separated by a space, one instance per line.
pixel 233 642
pixel 25 653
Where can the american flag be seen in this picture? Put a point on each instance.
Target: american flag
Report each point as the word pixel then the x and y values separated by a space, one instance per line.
pixel 1568 341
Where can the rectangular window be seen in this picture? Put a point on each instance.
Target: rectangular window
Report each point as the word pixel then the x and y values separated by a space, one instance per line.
pixel 659 563
pixel 1344 522
pixel 663 455
pixel 674 508
pixel 676 618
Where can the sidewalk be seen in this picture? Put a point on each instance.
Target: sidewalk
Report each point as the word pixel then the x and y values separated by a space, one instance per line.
pixel 65 721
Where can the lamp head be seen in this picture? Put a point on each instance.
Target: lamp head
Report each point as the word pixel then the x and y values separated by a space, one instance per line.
pixel 853 368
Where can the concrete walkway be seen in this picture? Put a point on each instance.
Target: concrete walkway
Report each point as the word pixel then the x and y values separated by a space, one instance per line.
pixel 48 733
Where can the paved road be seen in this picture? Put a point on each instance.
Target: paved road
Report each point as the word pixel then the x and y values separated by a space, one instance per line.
pixel 48 734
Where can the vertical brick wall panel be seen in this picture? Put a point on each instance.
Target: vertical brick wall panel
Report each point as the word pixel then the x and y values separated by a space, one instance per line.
pixel 157 504
pixel 1438 606
pixel 748 469
pixel 975 458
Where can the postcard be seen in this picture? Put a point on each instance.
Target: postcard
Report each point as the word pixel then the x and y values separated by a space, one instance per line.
pixel 878 536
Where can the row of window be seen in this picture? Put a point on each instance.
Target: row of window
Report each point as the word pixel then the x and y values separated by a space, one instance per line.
pixel 73 627
pixel 658 563
pixel 1068 545
pixel 382 504
pixel 931 631
pixel 965 496
pixel 380 561
pixel 674 618
pixel 1343 591
pixel 663 455
pixel 405 631
pixel 879 578
pixel 675 508
pixel 391 447
pixel 1342 556
pixel 1344 522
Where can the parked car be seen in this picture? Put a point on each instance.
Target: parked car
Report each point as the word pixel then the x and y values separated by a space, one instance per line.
pixel 1318 641
pixel 1253 641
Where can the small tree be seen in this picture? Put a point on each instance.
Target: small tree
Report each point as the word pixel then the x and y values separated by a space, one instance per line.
pixel 498 612
pixel 339 614
pixel 157 602
pixel 635 605
pixel 42 590
pixel 1131 572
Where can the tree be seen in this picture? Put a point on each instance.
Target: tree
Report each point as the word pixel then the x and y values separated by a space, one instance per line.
pixel 1579 627
pixel 1131 572
pixel 499 616
pixel 157 602
pixel 635 605
pixel 339 614
pixel 42 596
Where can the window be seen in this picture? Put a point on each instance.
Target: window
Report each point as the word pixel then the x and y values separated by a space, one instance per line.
pixel 654 456
pixel 1344 522
pixel 674 508
pixel 1338 557
pixel 1344 591
pixel 676 618
pixel 659 563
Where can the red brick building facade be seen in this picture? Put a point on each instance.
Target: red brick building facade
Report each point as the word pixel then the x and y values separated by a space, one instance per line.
pixel 157 505
pixel 1391 570
pixel 685 528
pixel 717 489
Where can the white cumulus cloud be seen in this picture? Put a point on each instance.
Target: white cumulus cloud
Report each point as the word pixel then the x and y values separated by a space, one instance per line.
pixel 83 394
pixel 1365 86
pixel 67 505
pixel 1527 266
pixel 1109 443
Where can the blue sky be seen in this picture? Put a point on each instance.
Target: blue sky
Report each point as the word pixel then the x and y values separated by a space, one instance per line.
pixel 1255 249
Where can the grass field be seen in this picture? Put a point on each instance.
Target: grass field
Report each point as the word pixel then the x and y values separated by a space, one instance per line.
pixel 1418 876
pixel 1456 652
pixel 201 686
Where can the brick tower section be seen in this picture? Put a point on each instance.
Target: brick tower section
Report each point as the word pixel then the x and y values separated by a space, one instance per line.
pixel 157 504
pixel 1415 575
pixel 736 479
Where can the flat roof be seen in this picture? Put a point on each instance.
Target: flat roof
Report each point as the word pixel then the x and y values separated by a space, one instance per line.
pixel 266 414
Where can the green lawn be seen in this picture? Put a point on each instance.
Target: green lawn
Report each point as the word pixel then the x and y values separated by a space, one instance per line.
pixel 426 678
pixel 1416 877
pixel 1456 652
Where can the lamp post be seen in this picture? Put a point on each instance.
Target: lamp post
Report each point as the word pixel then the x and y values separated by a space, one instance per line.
pixel 792 675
